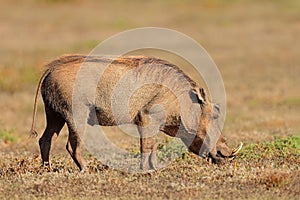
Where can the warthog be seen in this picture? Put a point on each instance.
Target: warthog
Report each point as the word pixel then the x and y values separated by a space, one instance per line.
pixel 159 97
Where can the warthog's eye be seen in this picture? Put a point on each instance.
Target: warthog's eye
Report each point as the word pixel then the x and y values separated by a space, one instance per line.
pixel 216 111
pixel 217 108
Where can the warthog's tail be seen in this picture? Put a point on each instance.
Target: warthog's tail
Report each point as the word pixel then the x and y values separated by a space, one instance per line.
pixel 33 132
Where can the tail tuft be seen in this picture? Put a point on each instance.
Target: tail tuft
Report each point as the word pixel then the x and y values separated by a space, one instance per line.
pixel 33 133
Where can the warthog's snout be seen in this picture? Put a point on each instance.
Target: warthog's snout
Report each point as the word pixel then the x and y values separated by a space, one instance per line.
pixel 225 154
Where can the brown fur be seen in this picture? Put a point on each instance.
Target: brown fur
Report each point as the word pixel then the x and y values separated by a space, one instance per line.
pixel 57 84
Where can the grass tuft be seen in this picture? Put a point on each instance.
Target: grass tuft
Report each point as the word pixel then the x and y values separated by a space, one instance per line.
pixel 279 147
pixel 171 149
pixel 274 178
pixel 7 136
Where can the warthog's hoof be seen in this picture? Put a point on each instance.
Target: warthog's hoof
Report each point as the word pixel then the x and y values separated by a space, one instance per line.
pixel 46 166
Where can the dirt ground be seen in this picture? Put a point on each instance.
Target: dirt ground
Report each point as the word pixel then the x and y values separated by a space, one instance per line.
pixel 255 45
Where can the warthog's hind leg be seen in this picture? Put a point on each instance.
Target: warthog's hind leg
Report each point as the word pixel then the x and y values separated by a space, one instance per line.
pixel 74 147
pixel 54 124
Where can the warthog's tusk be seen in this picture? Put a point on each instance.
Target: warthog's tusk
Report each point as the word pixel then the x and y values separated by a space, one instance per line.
pixel 236 150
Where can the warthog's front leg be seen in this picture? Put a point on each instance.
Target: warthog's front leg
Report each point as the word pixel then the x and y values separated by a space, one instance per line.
pixel 148 126
pixel 148 153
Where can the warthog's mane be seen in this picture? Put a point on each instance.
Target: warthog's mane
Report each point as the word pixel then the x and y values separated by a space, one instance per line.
pixel 164 69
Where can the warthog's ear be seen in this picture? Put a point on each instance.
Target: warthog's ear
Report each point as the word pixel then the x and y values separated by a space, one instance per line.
pixel 200 94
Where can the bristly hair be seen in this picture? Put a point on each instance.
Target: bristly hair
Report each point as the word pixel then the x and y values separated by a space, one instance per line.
pixel 158 67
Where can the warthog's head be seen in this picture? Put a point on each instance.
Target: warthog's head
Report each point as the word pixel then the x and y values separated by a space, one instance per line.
pixel 208 141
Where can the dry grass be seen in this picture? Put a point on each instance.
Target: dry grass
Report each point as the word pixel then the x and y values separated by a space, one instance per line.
pixel 256 47
pixel 188 177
